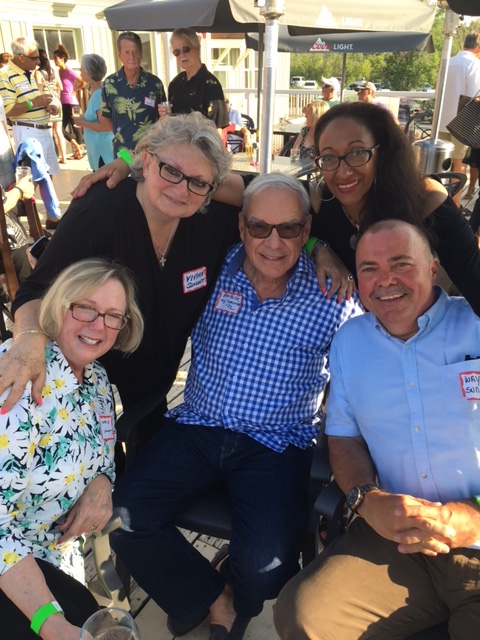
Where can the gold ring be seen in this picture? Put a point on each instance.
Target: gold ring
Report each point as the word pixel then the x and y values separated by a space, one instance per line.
pixel 94 527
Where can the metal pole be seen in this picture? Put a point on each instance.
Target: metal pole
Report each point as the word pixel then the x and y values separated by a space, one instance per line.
pixel 271 10
pixel 344 75
pixel 449 24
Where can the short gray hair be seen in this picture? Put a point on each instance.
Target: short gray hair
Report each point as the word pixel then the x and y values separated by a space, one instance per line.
pixel 80 280
pixel 193 129
pixel 187 34
pixel 472 40
pixel 94 65
pixel 21 46
pixel 276 180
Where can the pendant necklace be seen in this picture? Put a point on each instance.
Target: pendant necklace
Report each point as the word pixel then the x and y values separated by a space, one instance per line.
pixel 354 238
pixel 162 260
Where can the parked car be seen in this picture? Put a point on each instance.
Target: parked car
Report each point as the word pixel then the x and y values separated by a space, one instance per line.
pixel 310 84
pixel 297 81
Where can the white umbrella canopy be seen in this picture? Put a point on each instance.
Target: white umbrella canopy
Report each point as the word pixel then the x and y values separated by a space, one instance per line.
pixel 241 16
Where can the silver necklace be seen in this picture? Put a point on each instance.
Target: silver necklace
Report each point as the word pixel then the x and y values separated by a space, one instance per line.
pixel 162 260
pixel 354 237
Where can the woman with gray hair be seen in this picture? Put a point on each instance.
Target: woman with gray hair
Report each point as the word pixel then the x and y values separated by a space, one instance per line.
pixel 153 224
pixel 98 141
pixel 56 457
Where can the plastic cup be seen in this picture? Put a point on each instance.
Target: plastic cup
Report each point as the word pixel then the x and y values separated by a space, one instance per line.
pixel 294 157
pixel 167 106
pixel 22 172
pixel 76 110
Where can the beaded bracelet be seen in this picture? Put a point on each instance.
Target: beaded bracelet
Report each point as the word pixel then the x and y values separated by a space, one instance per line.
pixel 28 331
pixel 42 614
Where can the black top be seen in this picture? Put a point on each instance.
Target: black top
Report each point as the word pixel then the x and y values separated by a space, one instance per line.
pixel 203 92
pixel 111 223
pixel 455 243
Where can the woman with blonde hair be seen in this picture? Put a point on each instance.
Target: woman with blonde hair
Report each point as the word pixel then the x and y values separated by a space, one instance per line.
pixel 304 146
pixel 56 456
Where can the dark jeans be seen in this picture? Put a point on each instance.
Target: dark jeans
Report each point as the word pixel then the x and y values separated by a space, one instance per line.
pixel 76 601
pixel 268 492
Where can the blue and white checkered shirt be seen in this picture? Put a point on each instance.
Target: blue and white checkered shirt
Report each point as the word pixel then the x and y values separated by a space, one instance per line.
pixel 261 369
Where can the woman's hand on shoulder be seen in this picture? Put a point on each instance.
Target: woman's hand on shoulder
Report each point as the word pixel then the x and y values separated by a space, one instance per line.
pixel 24 361
pixel 328 264
pixel 113 172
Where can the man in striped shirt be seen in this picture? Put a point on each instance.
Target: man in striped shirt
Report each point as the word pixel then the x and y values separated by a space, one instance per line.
pixel 27 108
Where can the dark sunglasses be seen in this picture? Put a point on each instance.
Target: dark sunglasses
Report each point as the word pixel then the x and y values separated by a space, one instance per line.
pixel 184 49
pixel 286 230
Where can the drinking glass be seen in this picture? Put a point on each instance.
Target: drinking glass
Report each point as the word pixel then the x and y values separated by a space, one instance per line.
pixel 22 172
pixel 167 106
pixel 110 624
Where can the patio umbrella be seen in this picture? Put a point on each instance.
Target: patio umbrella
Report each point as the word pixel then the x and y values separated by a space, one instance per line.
pixel 240 16
pixel 348 42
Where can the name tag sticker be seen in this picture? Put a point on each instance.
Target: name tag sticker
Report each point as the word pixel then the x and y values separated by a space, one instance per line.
pixel 150 102
pixel 470 385
pixel 193 280
pixel 229 302
pixel 24 87
pixel 106 426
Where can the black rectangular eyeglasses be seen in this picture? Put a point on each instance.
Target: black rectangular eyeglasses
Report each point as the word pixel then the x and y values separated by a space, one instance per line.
pixel 196 185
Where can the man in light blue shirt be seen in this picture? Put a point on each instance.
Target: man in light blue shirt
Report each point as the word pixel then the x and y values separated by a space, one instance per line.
pixel 404 438
pixel 251 413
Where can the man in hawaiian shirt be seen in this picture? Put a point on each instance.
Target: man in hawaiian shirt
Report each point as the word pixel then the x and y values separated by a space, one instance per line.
pixel 130 96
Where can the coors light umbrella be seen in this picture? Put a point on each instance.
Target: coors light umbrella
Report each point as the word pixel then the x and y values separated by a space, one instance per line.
pixel 240 16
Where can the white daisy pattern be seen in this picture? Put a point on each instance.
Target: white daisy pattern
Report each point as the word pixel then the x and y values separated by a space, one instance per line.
pixel 48 455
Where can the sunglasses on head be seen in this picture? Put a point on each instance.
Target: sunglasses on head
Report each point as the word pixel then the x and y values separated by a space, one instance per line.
pixel 184 49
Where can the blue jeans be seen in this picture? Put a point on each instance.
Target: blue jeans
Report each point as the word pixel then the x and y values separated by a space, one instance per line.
pixel 268 493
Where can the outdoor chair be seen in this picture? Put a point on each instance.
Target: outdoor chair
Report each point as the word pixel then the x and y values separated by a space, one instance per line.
pixel 452 181
pixel 209 515
pixel 419 125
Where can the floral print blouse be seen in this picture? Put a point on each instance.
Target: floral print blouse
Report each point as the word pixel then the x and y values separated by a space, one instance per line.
pixel 48 455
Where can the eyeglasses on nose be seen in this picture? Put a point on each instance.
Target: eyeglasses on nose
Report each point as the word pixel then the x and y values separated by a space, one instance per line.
pixel 84 313
pixel 286 230
pixel 175 176
pixel 32 57
pixel 355 158
pixel 184 49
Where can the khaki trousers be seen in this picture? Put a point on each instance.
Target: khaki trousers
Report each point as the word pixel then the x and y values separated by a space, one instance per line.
pixel 361 587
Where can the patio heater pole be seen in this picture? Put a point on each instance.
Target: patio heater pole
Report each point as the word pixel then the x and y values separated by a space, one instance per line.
pixel 434 155
pixel 272 10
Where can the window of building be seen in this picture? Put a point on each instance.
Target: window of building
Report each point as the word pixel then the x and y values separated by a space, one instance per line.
pixel 48 39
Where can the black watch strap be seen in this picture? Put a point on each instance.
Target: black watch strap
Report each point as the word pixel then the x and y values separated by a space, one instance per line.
pixel 356 494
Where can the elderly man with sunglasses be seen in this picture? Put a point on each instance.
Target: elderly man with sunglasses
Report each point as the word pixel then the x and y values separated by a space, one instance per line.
pixel 131 96
pixel 250 416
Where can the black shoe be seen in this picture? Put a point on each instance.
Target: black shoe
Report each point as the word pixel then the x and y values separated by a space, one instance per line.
pixel 52 224
pixel 218 632
pixel 239 627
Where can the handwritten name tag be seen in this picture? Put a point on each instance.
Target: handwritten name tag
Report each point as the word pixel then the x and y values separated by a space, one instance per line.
pixel 193 280
pixel 106 427
pixel 229 302
pixel 150 102
pixel 470 384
